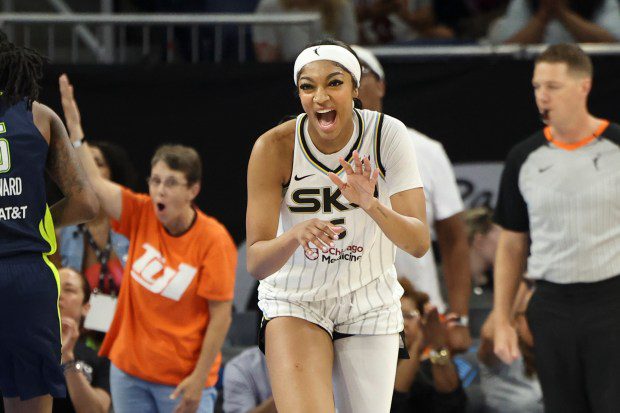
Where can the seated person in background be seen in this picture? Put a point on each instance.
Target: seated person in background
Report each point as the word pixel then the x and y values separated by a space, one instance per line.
pixel 87 374
pixel 510 388
pixel 469 19
pixel 426 382
pixel 482 235
pixel 246 384
pixel 284 42
pixel 389 21
pixel 93 248
pixel 558 21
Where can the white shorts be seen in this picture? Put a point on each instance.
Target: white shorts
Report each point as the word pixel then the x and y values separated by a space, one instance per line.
pixel 373 309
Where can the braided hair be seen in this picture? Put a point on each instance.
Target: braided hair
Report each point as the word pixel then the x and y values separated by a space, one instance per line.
pixel 20 71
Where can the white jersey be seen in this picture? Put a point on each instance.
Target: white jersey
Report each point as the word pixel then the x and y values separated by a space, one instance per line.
pixel 362 253
pixel 443 200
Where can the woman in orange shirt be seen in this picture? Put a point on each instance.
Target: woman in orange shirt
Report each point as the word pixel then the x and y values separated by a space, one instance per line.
pixel 174 308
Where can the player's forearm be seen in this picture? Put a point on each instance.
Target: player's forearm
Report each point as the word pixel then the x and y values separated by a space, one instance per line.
pixel 457 272
pixel 84 397
pixel 582 29
pixel 65 213
pixel 407 233
pixel 266 257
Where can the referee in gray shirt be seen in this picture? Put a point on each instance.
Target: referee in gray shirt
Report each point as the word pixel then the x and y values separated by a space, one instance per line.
pixel 559 209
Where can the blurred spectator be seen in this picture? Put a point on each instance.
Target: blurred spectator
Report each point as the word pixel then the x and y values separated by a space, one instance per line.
pixel 469 19
pixel 246 384
pixel 510 388
pixel 175 307
pixel 93 248
pixel 482 235
pixel 428 381
pixel 558 21
pixel 443 212
pixel 283 43
pixel 86 373
pixel 390 21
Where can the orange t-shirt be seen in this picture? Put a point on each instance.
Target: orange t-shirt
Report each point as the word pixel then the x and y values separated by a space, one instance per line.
pixel 162 312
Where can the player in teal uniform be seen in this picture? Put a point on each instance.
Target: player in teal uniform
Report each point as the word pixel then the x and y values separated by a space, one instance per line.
pixel 33 140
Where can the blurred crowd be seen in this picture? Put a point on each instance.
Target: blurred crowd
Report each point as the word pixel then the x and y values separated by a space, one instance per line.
pixel 402 22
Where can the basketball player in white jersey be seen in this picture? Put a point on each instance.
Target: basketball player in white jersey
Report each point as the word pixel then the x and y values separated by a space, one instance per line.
pixel 331 195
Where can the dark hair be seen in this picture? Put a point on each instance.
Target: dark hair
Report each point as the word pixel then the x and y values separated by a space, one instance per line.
pixel 334 42
pixel 180 158
pixel 571 54
pixel 584 8
pixel 20 71
pixel 419 298
pixel 85 285
pixel 121 169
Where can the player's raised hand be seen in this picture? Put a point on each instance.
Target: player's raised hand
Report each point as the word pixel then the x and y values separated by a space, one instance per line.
pixel 361 181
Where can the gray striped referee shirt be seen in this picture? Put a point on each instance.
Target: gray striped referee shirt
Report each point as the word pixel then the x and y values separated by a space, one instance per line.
pixel 569 202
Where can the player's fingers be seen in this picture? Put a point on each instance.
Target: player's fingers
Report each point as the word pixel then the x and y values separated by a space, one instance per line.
pixel 320 240
pixel 346 166
pixel 359 168
pixel 336 180
pixel 367 166
pixel 308 251
pixel 374 176
pixel 330 229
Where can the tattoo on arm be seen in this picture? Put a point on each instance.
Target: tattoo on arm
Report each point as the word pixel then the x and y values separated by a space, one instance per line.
pixel 62 162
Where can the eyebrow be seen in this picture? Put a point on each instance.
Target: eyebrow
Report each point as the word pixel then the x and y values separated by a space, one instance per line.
pixel 328 76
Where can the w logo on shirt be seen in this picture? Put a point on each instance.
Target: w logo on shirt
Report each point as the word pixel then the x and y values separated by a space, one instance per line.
pixel 150 271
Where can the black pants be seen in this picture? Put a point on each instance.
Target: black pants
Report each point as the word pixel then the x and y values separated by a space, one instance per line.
pixel 576 329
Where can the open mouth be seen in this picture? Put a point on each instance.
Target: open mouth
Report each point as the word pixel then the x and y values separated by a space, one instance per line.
pixel 326 118
pixel 160 206
pixel 544 115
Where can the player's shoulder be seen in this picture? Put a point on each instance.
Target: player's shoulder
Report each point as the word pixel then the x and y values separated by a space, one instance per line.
pixel 278 140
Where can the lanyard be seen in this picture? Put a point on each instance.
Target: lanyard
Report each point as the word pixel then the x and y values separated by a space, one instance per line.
pixel 103 256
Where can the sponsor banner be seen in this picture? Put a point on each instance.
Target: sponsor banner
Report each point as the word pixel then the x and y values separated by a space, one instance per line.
pixel 478 182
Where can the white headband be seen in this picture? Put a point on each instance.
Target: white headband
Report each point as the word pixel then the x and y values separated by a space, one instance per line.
pixel 334 53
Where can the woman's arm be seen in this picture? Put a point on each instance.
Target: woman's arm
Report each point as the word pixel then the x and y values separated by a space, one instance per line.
pixel 108 192
pixel 267 253
pixel 220 318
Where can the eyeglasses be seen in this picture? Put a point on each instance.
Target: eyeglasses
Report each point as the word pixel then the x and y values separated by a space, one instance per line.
pixel 169 183
pixel 411 315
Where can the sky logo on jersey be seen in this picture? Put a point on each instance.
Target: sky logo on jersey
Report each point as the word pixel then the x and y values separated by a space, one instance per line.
pixel 150 272
pixel 311 200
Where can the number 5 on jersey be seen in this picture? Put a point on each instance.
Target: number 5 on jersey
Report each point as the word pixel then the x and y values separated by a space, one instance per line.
pixel 340 222
pixel 5 154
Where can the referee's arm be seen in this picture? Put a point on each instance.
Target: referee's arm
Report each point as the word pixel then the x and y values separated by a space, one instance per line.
pixel 510 260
